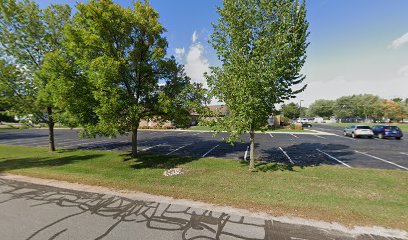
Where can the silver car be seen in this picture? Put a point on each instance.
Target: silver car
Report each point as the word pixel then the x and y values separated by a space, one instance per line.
pixel 358 131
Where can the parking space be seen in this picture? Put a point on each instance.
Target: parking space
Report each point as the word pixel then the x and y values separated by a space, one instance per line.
pixel 295 148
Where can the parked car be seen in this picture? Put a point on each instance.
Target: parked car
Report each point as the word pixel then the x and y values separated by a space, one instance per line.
pixel 358 131
pixel 386 131
pixel 306 125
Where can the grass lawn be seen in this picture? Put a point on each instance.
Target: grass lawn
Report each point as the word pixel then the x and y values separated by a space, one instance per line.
pixel 402 126
pixel 329 193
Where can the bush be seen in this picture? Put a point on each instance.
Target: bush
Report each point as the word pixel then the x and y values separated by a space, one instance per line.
pixel 296 126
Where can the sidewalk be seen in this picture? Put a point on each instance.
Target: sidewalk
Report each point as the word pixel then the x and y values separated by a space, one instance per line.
pixel 76 211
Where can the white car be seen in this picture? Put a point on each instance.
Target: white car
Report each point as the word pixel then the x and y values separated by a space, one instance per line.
pixel 358 131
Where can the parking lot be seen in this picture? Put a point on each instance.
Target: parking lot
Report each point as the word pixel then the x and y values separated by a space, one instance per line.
pixel 328 146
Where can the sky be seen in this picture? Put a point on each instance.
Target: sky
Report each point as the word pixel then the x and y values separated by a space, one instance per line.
pixel 356 46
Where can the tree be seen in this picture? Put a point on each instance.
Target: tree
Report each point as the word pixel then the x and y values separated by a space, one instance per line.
pixel 290 110
pixel 322 108
pixel 344 107
pixel 26 34
pixel 397 100
pixel 11 97
pixel 363 106
pixel 262 47
pixel 368 106
pixel 109 76
pixel 392 110
pixel 405 107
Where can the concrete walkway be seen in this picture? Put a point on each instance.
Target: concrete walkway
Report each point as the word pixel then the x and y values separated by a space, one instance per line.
pixel 46 209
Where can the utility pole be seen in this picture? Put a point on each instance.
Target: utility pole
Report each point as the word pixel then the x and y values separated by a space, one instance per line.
pixel 300 108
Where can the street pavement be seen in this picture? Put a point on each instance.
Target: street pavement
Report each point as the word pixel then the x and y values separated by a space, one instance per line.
pixel 32 211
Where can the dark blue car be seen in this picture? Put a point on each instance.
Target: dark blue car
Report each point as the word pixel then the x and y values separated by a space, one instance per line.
pixel 385 131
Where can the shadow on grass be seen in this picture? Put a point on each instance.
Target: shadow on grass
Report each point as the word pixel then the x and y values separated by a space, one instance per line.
pixel 7 164
pixel 154 161
pixel 269 166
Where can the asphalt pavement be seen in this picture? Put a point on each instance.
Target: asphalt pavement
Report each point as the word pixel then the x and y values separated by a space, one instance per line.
pixel 326 147
pixel 31 211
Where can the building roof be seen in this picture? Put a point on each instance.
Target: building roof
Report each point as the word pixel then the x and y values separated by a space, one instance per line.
pixel 222 109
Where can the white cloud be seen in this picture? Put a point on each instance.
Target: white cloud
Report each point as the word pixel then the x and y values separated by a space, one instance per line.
pixel 196 63
pixel 399 42
pixel 195 36
pixel 180 53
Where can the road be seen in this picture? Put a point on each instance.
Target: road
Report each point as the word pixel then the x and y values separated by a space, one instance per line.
pixel 295 148
pixel 31 211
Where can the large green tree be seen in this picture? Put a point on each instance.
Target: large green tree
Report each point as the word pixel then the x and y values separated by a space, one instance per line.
pixel 358 106
pixel 27 33
pixel 344 107
pixel 114 71
pixel 322 108
pixel 290 110
pixel 12 97
pixel 262 47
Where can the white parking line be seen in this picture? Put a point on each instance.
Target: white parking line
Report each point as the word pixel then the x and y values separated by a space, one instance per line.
pixel 404 153
pixel 382 160
pixel 290 160
pixel 145 149
pixel 335 159
pixel 178 149
pixel 205 154
pixel 246 154
pixel 270 134
pixel 319 136
pixel 294 135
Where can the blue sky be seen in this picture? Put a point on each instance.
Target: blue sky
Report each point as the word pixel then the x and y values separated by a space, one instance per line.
pixel 357 46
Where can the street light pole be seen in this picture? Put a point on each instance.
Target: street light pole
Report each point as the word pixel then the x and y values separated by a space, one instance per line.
pixel 300 108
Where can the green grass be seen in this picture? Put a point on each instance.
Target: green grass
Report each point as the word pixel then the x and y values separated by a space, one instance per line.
pixel 329 193
pixel 402 126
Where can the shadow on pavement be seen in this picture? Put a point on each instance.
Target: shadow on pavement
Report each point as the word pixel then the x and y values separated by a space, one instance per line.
pixel 306 154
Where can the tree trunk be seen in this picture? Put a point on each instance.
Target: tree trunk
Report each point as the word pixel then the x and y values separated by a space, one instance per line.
pixel 51 141
pixel 134 142
pixel 251 150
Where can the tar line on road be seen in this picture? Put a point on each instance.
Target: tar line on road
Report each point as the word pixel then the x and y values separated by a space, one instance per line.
pixel 68 214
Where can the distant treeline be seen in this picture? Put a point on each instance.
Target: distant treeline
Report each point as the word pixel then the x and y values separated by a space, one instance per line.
pixel 365 106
